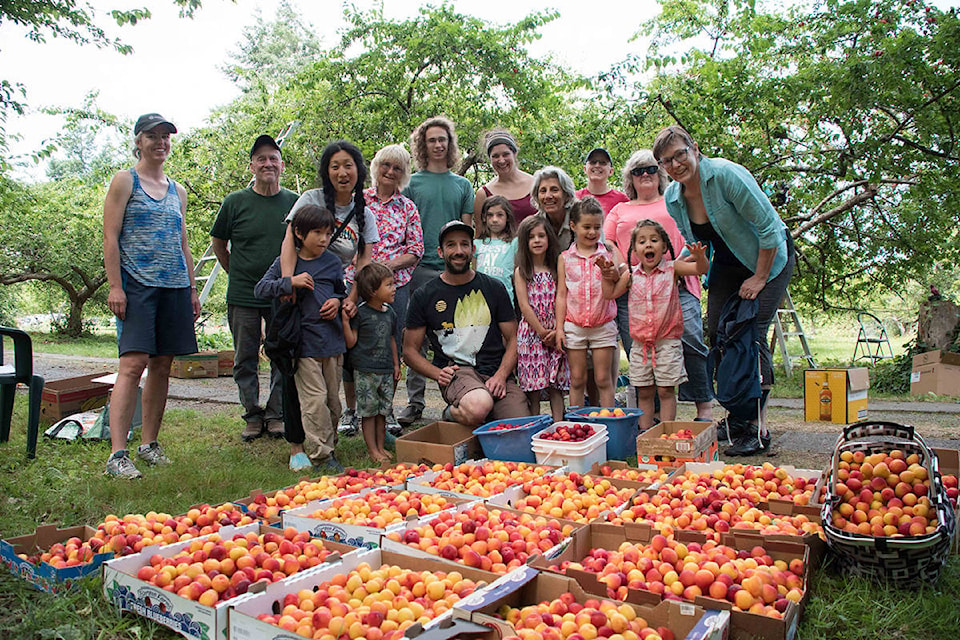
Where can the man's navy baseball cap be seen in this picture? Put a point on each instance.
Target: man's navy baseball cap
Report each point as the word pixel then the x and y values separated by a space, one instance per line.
pixel 264 140
pixel 455 225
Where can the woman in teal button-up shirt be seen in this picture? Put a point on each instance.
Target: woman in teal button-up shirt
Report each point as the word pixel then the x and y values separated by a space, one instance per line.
pixel 717 201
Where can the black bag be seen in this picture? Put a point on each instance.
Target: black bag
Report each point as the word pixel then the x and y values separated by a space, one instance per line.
pixel 282 342
pixel 734 360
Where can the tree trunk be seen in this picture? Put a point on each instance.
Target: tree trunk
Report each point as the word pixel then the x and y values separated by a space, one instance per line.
pixel 75 318
pixel 937 323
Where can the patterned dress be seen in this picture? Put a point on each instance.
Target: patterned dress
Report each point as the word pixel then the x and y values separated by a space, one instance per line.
pixel 540 367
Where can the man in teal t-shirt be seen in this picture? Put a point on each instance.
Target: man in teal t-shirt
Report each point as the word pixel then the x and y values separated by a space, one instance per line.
pixel 440 196
pixel 252 221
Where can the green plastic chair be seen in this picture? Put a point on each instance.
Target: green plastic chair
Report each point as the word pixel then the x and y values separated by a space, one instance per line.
pixel 21 371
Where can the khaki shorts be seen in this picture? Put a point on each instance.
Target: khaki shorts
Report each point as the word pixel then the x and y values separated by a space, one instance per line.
pixel 668 371
pixel 466 379
pixel 590 337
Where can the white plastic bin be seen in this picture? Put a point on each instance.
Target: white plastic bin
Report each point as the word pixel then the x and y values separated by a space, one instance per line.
pixel 577 456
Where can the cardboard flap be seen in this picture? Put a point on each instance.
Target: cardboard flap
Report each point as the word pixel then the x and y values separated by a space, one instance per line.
pixel 858 379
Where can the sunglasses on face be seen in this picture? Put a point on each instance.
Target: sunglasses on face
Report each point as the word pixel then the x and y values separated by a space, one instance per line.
pixel 639 171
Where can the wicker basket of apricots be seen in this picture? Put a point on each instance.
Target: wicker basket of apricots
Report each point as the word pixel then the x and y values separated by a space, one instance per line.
pixel 887 515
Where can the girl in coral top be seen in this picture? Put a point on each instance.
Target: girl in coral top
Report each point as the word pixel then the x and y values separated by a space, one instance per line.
pixel 589 318
pixel 656 321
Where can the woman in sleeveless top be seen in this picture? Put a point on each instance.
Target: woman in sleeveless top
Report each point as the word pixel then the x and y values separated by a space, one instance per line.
pixel 153 293
pixel 511 183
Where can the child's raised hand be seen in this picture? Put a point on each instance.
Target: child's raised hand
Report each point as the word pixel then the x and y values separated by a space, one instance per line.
pixel 302 281
pixel 697 250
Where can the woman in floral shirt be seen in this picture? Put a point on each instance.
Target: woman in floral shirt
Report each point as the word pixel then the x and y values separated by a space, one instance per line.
pixel 398 221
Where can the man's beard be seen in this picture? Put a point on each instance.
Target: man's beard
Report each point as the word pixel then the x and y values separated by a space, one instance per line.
pixel 455 269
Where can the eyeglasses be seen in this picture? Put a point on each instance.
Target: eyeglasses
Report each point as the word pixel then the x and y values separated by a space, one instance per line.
pixel 678 157
pixel 639 171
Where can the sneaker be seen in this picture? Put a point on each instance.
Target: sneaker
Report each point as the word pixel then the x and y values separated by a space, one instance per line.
pixel 152 453
pixel 330 466
pixel 300 461
pixel 447 415
pixel 275 429
pixel 252 431
pixel 348 423
pixel 393 427
pixel 120 466
pixel 410 414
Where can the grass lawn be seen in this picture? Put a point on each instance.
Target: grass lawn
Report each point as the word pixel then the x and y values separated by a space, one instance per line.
pixel 66 487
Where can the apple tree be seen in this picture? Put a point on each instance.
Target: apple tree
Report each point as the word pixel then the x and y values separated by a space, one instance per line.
pixel 846 111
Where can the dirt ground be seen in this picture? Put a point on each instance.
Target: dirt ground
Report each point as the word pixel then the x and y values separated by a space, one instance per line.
pixel 796 442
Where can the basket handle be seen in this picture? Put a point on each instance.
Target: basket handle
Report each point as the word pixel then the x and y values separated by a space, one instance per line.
pixel 878 428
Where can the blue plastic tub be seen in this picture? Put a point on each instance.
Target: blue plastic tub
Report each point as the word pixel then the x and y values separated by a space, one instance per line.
pixel 516 444
pixel 622 432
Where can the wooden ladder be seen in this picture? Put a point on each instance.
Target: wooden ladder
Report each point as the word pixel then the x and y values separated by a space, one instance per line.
pixel 203 272
pixel 788 318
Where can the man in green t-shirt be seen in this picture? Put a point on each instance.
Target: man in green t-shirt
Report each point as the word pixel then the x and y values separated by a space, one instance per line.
pixel 440 196
pixel 252 221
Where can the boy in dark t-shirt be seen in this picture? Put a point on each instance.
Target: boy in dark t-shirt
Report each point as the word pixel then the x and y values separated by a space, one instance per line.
pixel 471 325
pixel 319 277
pixel 370 337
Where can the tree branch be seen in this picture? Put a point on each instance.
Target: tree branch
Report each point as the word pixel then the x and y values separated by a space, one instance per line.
pixel 927 150
pixel 850 203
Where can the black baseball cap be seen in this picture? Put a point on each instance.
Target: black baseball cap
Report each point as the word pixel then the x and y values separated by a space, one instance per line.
pixel 264 140
pixel 598 150
pixel 149 121
pixel 455 225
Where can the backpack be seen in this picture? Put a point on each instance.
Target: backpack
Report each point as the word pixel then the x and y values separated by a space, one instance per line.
pixel 282 341
pixel 734 359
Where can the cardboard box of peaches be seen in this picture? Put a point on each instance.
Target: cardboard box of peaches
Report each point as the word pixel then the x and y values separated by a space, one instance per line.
pixel 672 443
pixel 764 584
pixel 281 611
pixel 187 587
pixel 530 604
pixel 52 559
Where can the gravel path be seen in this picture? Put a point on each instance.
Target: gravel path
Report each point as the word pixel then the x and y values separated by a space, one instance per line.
pixel 803 444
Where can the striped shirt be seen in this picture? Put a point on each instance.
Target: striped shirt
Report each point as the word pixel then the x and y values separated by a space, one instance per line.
pixel 151 238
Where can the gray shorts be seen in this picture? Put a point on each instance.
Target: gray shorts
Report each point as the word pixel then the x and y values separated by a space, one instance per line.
pixel 158 322
pixel 374 393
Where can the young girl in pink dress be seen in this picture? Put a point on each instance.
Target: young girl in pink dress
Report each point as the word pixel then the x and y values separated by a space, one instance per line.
pixel 540 364
pixel 656 321
pixel 589 320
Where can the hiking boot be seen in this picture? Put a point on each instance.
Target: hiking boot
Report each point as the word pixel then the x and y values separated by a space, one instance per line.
pixel 410 414
pixel 275 429
pixel 348 423
pixel 330 466
pixel 152 453
pixel 300 461
pixel 393 427
pixel 252 431
pixel 119 465
pixel 731 428
pixel 749 444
